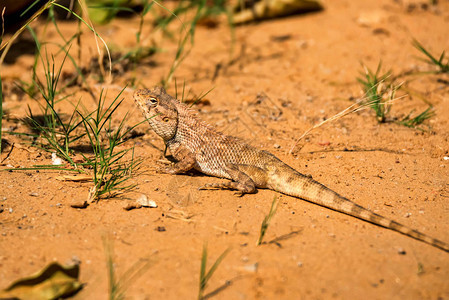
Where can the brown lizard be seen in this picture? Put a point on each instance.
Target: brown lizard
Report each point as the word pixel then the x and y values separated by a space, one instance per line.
pixel 195 144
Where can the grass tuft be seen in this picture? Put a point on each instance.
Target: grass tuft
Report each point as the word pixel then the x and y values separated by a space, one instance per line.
pixel 110 170
pixel 442 67
pixel 204 9
pixel 266 221
pixel 204 277
pixel 419 119
pixel 119 286
pixel 50 124
pixel 379 91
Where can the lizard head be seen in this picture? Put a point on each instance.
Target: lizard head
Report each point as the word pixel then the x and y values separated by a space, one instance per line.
pixel 159 109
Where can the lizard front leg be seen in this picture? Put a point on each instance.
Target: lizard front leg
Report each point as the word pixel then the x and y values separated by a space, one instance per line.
pixel 185 161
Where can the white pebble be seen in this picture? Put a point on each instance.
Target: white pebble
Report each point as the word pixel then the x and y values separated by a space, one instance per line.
pixel 56 160
pixel 251 268
pixel 143 200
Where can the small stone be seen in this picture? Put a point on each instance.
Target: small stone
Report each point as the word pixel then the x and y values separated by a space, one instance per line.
pixel 152 204
pixel 302 44
pixel 446 158
pixel 401 251
pixel 299 263
pixel 79 203
pixel 58 204
pixel 34 194
pixel 143 200
pixel 10 210
pixel 131 206
pixel 160 228
pixel 251 268
pixel 371 18
pixel 56 161
pixel 407 215
pixel 75 260
pixel 277 146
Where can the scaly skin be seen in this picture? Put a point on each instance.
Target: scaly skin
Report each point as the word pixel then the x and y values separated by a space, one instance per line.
pixel 196 145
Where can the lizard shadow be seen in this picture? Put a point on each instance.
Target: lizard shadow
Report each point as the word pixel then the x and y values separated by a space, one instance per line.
pixel 224 286
pixel 277 241
pixel 357 149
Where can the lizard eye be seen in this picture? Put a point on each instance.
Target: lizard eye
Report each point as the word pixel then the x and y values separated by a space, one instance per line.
pixel 152 101
pixel 165 119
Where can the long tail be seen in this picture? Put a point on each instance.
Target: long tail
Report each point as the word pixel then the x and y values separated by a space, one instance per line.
pixel 298 185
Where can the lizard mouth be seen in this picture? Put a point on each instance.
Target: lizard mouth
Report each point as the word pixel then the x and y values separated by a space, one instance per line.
pixel 139 99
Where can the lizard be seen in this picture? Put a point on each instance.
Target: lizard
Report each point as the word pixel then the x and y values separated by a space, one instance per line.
pixel 195 144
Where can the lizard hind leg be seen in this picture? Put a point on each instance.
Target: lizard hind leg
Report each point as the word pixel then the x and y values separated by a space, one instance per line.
pixel 245 179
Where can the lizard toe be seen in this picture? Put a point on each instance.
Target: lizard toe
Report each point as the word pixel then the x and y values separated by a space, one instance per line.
pixel 210 186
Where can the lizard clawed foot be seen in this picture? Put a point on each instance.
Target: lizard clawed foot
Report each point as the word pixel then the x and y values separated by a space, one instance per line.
pixel 239 189
pixel 166 170
pixel 239 193
pixel 215 186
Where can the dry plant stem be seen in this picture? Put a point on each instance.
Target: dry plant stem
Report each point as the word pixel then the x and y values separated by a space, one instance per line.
pixel 96 36
pixel 5 47
pixel 173 14
pixel 83 6
pixel 349 110
pixel 352 108
pixel 8 154
pixel 8 44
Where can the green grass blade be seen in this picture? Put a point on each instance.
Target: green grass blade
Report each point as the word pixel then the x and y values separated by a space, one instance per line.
pixel 266 221
pixel 119 285
pixel 419 119
pixel 204 277
pixel 203 268
pixel 443 68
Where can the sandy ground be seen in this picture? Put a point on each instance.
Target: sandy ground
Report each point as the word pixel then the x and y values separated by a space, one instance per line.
pixel 287 75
